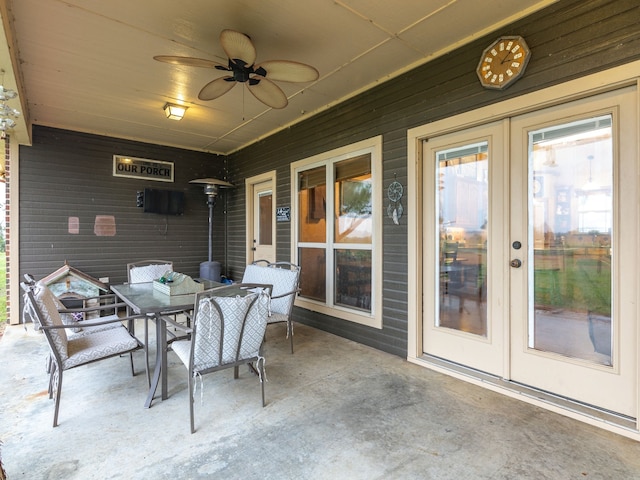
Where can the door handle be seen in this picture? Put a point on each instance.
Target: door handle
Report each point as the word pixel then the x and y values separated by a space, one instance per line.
pixel 516 263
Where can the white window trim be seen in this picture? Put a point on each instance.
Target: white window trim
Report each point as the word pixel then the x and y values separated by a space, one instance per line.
pixel 372 146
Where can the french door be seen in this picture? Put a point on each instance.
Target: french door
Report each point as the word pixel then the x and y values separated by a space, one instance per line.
pixel 532 224
pixel 465 181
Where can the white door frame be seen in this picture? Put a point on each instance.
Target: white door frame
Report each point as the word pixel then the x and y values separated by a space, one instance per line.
pixel 611 79
pixel 250 183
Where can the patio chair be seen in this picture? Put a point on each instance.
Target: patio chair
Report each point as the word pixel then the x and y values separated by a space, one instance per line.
pixel 145 271
pixel 77 318
pixel 227 331
pixel 285 278
pixel 73 351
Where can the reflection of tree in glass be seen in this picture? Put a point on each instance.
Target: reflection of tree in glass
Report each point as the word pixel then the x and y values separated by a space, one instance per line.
pixel 356 198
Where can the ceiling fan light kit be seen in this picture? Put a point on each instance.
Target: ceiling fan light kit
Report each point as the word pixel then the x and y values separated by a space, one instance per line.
pixel 173 111
pixel 241 68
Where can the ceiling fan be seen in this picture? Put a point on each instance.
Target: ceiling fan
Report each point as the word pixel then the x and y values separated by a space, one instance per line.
pixel 242 68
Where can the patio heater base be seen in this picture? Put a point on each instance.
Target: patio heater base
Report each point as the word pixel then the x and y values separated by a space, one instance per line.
pixel 210 271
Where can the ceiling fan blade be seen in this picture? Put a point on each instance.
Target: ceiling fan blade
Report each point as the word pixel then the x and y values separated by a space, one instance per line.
pixel 188 61
pixel 287 71
pixel 216 88
pixel 267 92
pixel 238 46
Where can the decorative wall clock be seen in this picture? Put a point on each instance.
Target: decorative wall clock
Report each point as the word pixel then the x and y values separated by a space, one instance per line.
pixel 503 62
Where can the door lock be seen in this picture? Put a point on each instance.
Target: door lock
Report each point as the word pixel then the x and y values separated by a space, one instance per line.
pixel 516 263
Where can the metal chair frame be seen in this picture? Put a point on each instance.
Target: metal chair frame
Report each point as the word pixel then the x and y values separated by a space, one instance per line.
pixel 254 273
pixel 116 340
pixel 227 354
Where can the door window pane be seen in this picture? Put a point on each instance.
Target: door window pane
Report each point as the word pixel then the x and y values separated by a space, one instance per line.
pixel 571 207
pixel 463 209
pixel 265 216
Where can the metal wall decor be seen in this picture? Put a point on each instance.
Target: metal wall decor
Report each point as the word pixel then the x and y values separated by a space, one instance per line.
pixel 395 209
pixel 7 113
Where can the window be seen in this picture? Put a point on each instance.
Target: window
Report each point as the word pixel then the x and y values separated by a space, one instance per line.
pixel 336 232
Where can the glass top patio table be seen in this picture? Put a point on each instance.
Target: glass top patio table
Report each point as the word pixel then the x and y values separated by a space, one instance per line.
pixel 142 298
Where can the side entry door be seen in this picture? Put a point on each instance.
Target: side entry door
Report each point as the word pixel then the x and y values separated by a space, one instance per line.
pixel 260 220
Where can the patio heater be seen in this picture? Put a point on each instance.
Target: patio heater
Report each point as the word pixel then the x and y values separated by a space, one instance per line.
pixel 210 270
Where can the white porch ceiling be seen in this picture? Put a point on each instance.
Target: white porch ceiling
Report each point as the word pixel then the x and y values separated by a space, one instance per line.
pixel 87 65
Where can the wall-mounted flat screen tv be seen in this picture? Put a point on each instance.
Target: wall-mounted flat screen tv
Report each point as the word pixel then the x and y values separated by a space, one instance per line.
pixel 165 202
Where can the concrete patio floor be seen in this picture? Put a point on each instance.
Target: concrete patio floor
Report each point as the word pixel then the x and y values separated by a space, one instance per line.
pixel 335 410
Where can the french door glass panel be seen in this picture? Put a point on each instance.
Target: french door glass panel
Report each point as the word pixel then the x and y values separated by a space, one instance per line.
pixel 571 206
pixel 463 212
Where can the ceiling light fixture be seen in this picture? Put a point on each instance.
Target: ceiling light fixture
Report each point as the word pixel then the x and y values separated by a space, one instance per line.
pixel 173 111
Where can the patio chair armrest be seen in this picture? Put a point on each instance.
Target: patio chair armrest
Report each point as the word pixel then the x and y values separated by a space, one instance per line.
pixel 177 325
pixel 282 295
pixel 91 323
pixel 93 309
pixel 177 312
pixel 106 296
pixel 249 286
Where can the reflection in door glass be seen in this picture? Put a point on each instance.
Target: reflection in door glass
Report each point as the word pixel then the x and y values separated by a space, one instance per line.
pixel 265 216
pixel 570 244
pixel 462 202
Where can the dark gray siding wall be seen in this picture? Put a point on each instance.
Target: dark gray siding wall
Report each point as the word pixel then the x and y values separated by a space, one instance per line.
pixel 68 174
pixel 568 39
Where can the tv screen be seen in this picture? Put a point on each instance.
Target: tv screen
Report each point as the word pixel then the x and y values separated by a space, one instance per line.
pixel 165 202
